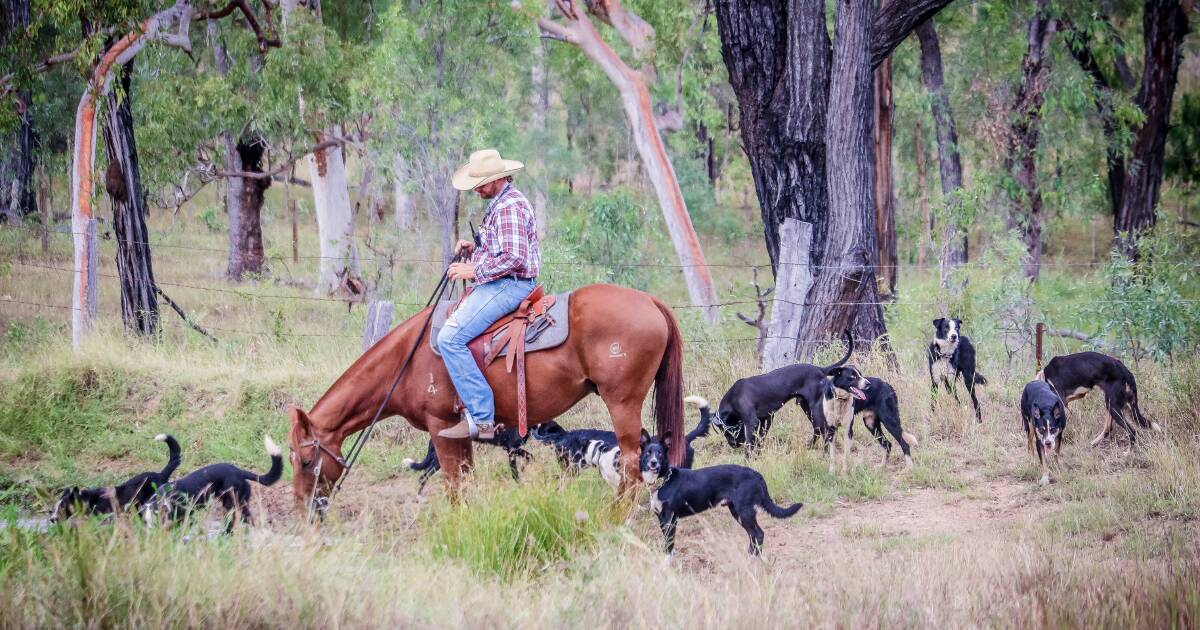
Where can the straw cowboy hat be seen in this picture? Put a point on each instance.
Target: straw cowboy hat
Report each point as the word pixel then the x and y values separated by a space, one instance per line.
pixel 483 167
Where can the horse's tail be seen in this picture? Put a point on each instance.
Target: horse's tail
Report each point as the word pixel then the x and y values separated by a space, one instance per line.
pixel 668 388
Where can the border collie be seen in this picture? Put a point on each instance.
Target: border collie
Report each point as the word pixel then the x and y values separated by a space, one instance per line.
pixel 507 438
pixel 881 410
pixel 136 491
pixel 679 492
pixel 839 391
pixel 1044 417
pixel 1074 375
pixel 950 354
pixel 745 412
pixel 225 482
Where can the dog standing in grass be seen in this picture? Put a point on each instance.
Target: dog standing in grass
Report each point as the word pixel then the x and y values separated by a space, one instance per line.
pixel 1072 376
pixel 224 482
pixel 133 493
pixel 952 354
pixel 1044 417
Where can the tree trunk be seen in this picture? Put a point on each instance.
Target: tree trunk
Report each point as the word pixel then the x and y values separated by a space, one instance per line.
pixel 335 221
pixel 1164 25
pixel 777 55
pixel 233 206
pixel 17 195
pixel 1021 158
pixel 139 301
pixel 405 210
pixel 954 237
pixel 922 197
pixel 844 295
pixel 635 97
pixel 248 230
pixel 885 190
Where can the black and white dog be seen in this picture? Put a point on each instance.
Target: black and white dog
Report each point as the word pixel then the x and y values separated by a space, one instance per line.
pixel 950 354
pixel 593 448
pixel 507 438
pixel 1044 417
pixel 678 492
pixel 745 411
pixel 839 391
pixel 224 482
pixel 1074 375
pixel 134 492
pixel 880 410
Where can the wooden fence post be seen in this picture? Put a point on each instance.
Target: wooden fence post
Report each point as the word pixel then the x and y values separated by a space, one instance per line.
pixel 379 322
pixel 83 299
pixel 792 282
pixel 1041 330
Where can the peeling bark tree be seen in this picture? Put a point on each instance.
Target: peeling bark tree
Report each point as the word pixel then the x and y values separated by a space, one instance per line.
pixel 954 237
pixel 335 221
pixel 123 182
pixel 1027 213
pixel 248 229
pixel 885 189
pixel 778 55
pixel 579 30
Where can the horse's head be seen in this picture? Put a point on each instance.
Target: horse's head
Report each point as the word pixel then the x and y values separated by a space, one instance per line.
pixel 316 464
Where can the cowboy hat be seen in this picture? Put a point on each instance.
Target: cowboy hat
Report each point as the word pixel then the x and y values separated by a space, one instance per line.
pixel 484 166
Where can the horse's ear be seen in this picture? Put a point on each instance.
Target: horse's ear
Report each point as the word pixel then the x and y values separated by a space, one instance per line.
pixel 299 419
pixel 645 438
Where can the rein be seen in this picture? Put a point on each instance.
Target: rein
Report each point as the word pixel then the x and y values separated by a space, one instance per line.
pixel 348 462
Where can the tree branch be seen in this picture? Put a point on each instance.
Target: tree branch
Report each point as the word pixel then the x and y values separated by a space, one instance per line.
pixel 265 40
pixel 895 21
pixel 197 327
pixel 336 142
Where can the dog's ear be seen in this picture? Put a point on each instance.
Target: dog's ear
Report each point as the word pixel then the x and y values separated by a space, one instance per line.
pixel 645 438
pixel 959 322
pixel 831 373
pixel 937 323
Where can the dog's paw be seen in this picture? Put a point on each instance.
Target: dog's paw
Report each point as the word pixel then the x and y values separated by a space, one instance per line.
pixel 1044 481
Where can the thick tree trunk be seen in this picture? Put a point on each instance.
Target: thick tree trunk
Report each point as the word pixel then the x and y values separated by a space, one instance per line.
pixel 1027 213
pixel 335 221
pixel 844 295
pixel 885 190
pixel 248 230
pixel 139 301
pixel 17 158
pixel 235 191
pixel 1164 25
pixel 635 97
pixel 954 237
pixel 777 55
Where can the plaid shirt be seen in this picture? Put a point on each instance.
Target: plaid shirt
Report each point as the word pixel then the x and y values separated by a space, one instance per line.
pixel 508 239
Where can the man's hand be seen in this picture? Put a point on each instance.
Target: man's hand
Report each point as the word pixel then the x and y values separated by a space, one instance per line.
pixel 464 247
pixel 461 271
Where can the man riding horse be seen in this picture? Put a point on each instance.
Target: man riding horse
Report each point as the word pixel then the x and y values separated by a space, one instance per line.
pixel 504 268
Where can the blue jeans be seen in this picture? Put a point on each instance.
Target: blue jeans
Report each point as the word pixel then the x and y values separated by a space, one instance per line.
pixel 486 304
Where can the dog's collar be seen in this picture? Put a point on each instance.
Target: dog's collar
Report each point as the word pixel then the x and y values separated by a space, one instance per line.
pixel 661 481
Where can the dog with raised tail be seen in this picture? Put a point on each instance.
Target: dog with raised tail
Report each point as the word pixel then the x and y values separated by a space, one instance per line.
pixel 224 482
pixel 678 492
pixel 133 493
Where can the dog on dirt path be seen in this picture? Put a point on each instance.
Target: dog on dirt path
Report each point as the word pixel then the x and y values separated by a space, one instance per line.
pixel 1072 376
pixel 135 492
pixel 952 354
pixel 224 482
pixel 1044 417
pixel 745 412
pixel 679 492
pixel 507 438
pixel 880 410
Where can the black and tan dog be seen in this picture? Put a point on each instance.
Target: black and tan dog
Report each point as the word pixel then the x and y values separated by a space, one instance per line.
pixel 1044 417
pixel 950 355
pixel 224 482
pixel 679 492
pixel 839 391
pixel 745 411
pixel 507 438
pixel 1072 376
pixel 880 410
pixel 133 493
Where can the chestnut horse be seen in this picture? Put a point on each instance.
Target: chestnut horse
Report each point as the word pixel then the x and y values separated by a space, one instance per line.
pixel 621 341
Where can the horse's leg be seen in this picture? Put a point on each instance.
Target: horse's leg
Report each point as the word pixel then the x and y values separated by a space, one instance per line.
pixel 454 457
pixel 627 424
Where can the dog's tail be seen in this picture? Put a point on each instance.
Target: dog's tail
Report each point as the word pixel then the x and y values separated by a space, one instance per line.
pixel 276 470
pixel 849 349
pixel 547 431
pixel 705 424
pixel 909 438
pixel 777 511
pixel 980 380
pixel 430 458
pixel 174 456
pixel 1133 404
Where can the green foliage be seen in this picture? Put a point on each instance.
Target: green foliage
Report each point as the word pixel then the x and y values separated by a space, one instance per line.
pixel 1183 142
pixel 1150 305
pixel 603 236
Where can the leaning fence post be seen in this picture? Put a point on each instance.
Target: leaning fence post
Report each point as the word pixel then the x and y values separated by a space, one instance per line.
pixel 792 282
pixel 379 322
pixel 1041 330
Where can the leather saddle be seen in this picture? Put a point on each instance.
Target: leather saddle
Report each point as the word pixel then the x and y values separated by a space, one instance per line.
pixel 539 323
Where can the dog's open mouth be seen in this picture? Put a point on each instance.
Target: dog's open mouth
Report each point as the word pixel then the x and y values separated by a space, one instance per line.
pixel 858 393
